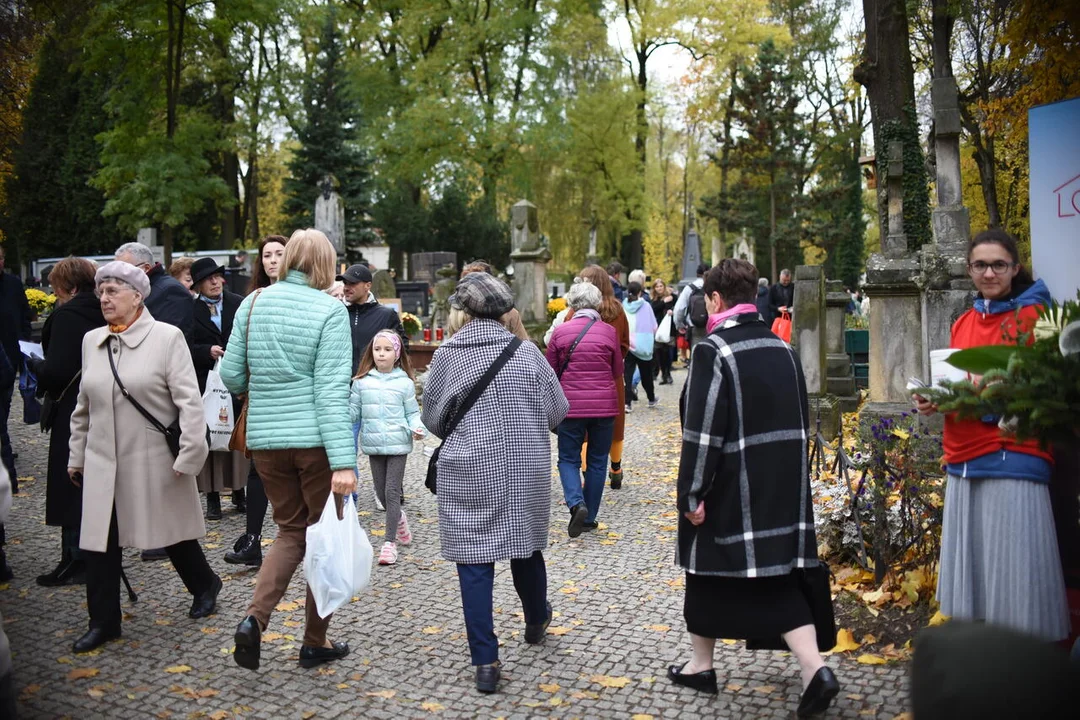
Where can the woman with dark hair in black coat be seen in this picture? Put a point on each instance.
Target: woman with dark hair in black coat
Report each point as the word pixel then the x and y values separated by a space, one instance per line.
pixel 663 304
pixel 59 375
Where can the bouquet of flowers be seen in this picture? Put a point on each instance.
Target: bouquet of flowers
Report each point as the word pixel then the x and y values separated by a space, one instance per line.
pixel 1033 388
pixel 40 302
pixel 554 307
pixel 411 323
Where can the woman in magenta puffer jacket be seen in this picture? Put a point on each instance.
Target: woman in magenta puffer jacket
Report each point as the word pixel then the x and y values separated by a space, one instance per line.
pixel 586 356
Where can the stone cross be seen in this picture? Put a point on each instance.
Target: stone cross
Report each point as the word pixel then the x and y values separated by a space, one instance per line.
pixel 330 213
pixel 530 259
pixel 524 227
pixel 895 243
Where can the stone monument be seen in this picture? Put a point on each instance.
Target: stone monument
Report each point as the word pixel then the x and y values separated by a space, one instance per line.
pixel 808 332
pixel 330 213
pixel 530 258
pixel 382 284
pixel 892 283
pixel 691 256
pixel 839 380
pixel 946 285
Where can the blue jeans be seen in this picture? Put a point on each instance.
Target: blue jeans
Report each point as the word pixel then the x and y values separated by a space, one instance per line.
pixel 572 435
pixel 477 585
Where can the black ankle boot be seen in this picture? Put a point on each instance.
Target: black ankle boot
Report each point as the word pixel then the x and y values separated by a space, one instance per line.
pixel 248 551
pixel 239 500
pixel 213 506
pixel 69 572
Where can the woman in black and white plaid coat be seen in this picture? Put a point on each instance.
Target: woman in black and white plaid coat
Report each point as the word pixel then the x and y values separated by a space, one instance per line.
pixel 494 470
pixel 747 526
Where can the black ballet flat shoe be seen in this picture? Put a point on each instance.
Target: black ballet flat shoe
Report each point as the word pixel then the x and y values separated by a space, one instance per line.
pixel 487 677
pixel 205 603
pixel 95 638
pixel 248 639
pixel 819 693
pixel 535 633
pixel 312 656
pixel 615 476
pixel 702 682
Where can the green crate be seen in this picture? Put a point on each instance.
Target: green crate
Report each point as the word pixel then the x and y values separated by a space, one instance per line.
pixel 862 374
pixel 857 342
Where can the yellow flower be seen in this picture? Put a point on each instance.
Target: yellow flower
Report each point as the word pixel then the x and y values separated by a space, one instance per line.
pixel 554 307
pixel 39 301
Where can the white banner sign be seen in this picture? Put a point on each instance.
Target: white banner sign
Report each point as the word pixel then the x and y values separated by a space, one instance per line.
pixel 1054 151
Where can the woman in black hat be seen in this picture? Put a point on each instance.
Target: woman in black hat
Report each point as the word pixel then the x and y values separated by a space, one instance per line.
pixel 214 308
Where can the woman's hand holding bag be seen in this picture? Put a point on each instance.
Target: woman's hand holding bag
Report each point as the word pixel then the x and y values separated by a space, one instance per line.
pixel 337 562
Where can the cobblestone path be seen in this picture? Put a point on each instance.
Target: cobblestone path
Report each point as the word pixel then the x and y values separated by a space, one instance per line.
pixel 618 623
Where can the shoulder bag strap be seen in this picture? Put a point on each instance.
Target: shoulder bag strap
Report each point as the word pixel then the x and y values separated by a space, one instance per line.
pixel 573 345
pixel 124 391
pixel 481 385
pixel 70 383
pixel 247 336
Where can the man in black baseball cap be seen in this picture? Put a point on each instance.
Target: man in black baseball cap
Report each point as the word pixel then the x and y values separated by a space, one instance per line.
pixel 366 315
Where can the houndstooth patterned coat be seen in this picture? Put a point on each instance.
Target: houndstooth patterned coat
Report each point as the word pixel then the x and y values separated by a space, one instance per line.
pixel 494 473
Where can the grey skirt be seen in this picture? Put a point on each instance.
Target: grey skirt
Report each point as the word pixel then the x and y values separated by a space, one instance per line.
pixel 223 470
pixel 999 557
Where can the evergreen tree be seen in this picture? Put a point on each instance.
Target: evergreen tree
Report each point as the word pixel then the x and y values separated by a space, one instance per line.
pixel 328 141
pixel 51 207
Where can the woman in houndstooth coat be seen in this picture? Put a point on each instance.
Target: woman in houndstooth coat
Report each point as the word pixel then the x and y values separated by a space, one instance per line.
pixel 494 470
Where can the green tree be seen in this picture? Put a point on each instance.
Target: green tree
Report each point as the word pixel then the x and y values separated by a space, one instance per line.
pixel 329 139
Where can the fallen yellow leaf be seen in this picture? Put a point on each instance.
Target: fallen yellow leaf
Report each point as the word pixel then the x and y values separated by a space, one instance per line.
pixel 658 628
pixel 610 682
pixel 178 669
pixel 287 606
pixel 641 716
pixel 938 619
pixel 550 688
pixel 728 642
pixel 384 694
pixel 220 715
pixel 272 636
pixel 308 714
pixel 867 659
pixel 432 706
pixel 432 630
pixel 80 673
pixel 845 641
pixel 558 630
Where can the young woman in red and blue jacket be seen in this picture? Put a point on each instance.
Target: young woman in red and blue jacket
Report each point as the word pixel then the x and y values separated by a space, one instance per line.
pixel 999 553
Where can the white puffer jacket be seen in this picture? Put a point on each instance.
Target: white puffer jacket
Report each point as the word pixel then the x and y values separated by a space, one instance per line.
pixel 385 406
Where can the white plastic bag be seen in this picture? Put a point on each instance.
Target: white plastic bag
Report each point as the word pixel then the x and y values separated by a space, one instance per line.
pixel 663 333
pixel 218 409
pixel 338 559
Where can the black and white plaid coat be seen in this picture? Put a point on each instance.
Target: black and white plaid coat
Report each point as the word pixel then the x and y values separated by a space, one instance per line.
pixel 744 454
pixel 494 472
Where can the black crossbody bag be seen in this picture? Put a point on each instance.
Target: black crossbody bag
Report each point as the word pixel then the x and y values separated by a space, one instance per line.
pixel 466 405
pixel 171 433
pixel 573 345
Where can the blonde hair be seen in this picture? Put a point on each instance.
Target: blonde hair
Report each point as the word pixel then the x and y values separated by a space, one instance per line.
pixel 310 252
pixel 180 265
pixel 456 319
pixel 637 276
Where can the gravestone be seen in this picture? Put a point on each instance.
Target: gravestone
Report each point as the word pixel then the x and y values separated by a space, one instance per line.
pixel 839 380
pixel 383 286
pixel 892 284
pixel 330 213
pixel 691 257
pixel 808 337
pixel 530 258
pixel 946 285
pixel 440 295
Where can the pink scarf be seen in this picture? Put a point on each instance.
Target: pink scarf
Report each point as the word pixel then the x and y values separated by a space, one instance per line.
pixel 718 318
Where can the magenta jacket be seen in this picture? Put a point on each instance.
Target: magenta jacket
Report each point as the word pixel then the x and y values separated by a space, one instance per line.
pixel 595 367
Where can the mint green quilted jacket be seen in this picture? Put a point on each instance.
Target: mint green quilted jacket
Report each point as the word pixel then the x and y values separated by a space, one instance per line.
pixel 300 355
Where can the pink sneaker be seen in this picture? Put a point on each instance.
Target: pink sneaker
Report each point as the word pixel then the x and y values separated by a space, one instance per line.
pixel 388 554
pixel 404 534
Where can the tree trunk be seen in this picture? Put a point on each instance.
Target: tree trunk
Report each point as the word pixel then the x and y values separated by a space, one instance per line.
pixel 725 157
pixel 885 70
pixel 987 163
pixel 772 225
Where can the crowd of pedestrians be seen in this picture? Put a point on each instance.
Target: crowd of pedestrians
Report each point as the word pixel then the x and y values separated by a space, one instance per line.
pixel 326 385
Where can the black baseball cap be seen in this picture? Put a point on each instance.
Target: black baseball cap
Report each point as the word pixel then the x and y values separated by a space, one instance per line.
pixel 355 274
pixel 702 268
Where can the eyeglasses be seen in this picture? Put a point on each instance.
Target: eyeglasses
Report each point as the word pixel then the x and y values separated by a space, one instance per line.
pixel 1000 267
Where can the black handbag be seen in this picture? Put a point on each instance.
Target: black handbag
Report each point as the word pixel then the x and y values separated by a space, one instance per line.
pixel 814 586
pixel 466 405
pixel 50 408
pixel 171 433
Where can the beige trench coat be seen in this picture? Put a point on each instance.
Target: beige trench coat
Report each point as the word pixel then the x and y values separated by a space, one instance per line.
pixel 124 459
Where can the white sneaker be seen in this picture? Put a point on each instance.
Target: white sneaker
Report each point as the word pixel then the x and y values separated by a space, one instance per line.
pixel 375 497
pixel 404 534
pixel 388 554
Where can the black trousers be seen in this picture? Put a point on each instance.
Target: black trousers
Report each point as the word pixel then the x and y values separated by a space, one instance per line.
pixel 662 357
pixel 256 502
pixel 103 576
pixel 630 364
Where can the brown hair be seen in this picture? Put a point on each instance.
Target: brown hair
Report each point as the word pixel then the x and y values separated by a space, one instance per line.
pixel 997 236
pixel 180 265
pixel 610 308
pixel 259 278
pixel 736 281
pixel 476 266
pixel 310 252
pixel 367 363
pixel 73 273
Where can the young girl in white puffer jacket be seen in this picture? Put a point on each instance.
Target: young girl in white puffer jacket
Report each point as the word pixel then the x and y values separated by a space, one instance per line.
pixel 383 401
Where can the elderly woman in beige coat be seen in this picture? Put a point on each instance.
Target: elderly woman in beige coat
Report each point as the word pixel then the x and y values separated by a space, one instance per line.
pixel 135 493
